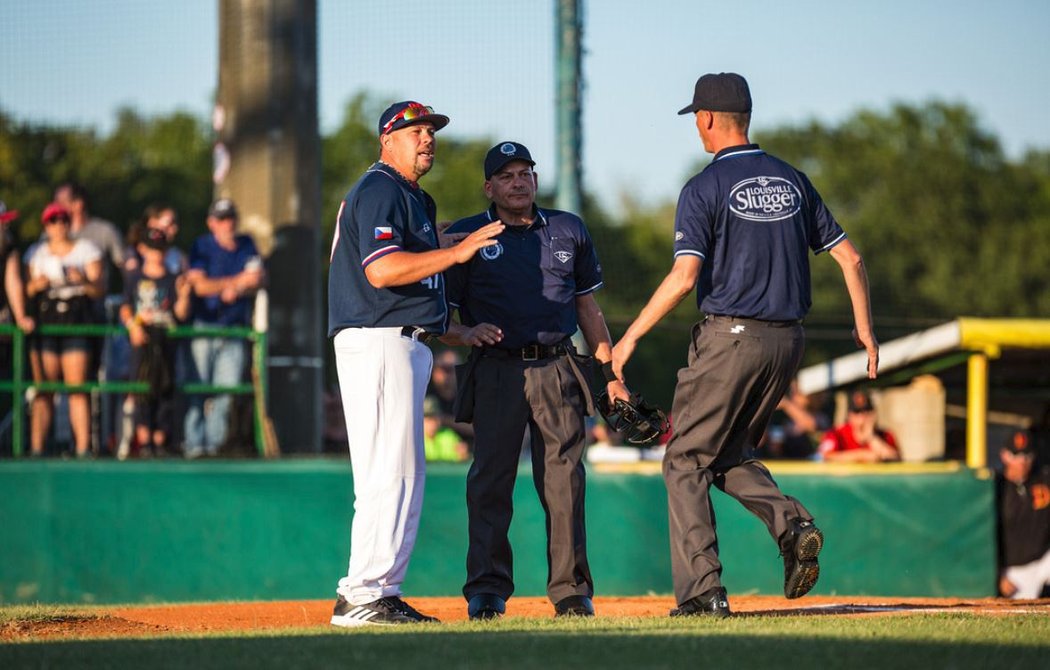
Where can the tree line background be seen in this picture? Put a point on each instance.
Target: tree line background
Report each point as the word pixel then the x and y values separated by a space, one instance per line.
pixel 947 224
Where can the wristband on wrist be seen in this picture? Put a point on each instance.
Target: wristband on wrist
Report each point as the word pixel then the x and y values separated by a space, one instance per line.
pixel 607 372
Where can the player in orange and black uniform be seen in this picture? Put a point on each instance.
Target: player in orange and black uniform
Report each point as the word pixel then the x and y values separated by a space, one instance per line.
pixel 1023 494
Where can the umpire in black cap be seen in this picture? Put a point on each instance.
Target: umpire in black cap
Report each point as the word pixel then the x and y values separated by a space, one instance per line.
pixel 519 302
pixel 743 228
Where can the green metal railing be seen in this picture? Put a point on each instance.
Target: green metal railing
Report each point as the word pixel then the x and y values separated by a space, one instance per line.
pixel 18 384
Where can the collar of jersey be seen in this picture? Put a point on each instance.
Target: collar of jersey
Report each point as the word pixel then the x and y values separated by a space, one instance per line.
pixel 540 218
pixel 380 166
pixel 739 150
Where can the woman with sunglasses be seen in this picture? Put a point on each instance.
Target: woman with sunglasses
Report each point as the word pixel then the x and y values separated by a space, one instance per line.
pixel 65 275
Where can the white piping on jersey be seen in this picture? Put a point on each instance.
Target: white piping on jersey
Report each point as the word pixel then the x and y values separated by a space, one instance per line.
pixel 832 243
pixel 372 255
pixel 742 152
pixel 689 252
pixel 591 289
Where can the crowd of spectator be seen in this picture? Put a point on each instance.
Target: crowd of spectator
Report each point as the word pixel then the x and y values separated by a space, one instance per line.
pixel 63 278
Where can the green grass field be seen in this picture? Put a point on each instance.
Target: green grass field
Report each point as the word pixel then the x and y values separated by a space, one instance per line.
pixel 942 640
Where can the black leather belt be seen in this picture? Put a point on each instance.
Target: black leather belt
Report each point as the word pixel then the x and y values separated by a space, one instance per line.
pixel 760 322
pixel 530 352
pixel 416 333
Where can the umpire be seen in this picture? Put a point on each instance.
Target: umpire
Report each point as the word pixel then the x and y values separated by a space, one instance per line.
pixel 743 230
pixel 519 301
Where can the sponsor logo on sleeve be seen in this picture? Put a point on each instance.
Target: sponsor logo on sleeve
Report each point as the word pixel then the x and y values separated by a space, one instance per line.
pixel 765 199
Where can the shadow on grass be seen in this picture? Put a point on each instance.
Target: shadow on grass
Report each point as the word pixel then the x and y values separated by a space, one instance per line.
pixel 739 643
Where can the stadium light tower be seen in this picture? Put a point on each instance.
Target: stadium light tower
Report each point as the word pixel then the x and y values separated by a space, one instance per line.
pixel 568 27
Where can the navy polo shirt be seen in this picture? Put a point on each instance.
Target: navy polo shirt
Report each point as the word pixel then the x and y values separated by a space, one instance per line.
pixel 383 213
pixel 528 282
pixel 753 219
pixel 215 261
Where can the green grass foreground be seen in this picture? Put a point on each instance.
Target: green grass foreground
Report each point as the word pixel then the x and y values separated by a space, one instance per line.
pixel 901 641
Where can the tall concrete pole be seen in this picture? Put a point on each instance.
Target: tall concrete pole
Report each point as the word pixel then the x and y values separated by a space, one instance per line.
pixel 568 27
pixel 268 159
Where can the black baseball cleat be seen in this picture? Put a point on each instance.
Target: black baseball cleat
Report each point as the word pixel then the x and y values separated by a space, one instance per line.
pixel 801 569
pixel 574 606
pixel 486 606
pixel 713 603
pixel 382 612
pixel 411 612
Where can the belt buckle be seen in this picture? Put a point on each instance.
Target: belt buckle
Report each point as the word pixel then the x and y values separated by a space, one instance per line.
pixel 415 333
pixel 534 355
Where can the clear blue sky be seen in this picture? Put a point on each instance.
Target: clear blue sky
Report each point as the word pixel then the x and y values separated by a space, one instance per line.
pixel 489 65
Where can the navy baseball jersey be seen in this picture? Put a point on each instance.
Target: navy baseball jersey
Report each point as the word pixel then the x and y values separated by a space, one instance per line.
pixel 383 213
pixel 527 283
pixel 753 219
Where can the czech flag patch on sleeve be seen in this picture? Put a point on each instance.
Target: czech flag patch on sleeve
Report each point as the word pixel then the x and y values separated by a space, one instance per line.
pixel 384 233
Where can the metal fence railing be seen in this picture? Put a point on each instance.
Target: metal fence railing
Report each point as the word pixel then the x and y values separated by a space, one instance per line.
pixel 18 384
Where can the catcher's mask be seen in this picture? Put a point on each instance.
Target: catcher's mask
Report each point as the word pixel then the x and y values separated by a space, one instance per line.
pixel 638 421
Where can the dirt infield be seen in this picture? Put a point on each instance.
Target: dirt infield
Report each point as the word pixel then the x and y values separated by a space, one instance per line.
pixel 258 616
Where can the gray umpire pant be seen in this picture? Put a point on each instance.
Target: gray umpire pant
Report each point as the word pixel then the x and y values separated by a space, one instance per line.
pixel 545 395
pixel 738 371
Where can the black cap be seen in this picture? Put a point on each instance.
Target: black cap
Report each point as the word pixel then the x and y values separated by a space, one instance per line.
pixel 860 401
pixel 503 153
pixel 722 92
pixel 223 208
pixel 1020 442
pixel 407 112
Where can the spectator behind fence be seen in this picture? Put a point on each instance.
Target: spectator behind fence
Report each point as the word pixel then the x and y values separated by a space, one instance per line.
pixel 225 273
pixel 788 433
pixel 1023 489
pixel 155 299
pixel 859 440
pixel 440 443
pixel 12 293
pixel 164 218
pixel 65 277
pixel 442 388
pixel 101 233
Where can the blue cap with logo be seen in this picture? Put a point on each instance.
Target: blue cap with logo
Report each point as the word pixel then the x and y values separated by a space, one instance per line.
pixel 503 153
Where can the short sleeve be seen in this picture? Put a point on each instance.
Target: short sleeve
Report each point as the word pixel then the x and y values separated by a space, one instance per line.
pixel 198 259
pixel 824 231
pixel 693 223
pixel 587 272
pixel 380 214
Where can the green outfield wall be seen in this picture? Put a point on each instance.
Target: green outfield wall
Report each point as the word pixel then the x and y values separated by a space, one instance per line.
pixel 167 531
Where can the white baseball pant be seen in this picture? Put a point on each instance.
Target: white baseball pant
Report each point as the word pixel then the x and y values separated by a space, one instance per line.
pixel 382 379
pixel 1030 578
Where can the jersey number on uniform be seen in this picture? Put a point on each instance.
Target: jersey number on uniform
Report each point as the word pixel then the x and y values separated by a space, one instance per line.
pixel 433 282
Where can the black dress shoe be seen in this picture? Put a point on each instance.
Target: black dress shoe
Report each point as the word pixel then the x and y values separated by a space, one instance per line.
pixel 713 603
pixel 486 606
pixel 574 606
pixel 800 550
